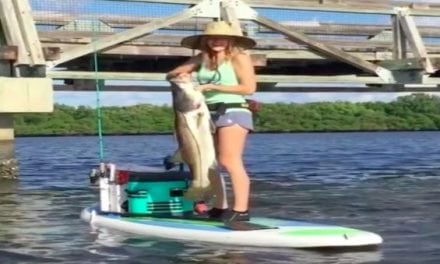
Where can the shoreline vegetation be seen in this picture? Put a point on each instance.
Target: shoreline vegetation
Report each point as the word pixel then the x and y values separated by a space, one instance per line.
pixel 415 112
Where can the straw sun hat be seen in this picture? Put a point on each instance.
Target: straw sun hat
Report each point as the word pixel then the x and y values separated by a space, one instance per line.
pixel 218 29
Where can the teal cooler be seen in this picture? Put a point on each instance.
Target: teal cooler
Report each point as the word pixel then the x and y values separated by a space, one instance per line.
pixel 158 193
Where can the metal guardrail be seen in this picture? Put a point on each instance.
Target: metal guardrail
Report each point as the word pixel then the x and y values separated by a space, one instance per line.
pixel 367 44
pixel 385 7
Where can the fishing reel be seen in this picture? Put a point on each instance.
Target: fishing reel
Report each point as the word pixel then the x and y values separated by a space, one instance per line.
pixel 96 174
pixel 170 162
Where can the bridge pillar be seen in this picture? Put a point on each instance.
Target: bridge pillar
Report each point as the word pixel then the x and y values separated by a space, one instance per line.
pixel 8 163
pixel 6 119
pixel 23 85
pixel 19 95
pixel 6 127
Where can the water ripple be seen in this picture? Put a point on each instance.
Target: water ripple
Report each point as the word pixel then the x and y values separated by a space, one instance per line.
pixel 384 182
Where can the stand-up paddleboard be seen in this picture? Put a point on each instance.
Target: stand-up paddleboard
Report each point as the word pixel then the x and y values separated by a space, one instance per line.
pixel 264 232
pixel 150 202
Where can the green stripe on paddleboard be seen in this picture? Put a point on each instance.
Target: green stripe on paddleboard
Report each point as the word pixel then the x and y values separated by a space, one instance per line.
pixel 323 232
pixel 180 221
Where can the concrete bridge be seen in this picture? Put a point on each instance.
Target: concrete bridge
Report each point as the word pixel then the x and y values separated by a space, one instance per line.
pixel 46 40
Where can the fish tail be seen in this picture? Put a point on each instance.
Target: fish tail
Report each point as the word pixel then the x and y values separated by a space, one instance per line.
pixel 198 193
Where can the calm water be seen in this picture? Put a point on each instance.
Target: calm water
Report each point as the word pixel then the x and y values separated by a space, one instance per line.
pixel 384 182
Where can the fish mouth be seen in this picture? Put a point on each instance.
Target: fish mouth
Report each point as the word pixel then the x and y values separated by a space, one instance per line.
pixel 185 97
pixel 197 106
pixel 185 108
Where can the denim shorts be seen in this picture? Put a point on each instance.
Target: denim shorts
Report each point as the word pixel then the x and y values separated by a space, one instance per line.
pixel 232 117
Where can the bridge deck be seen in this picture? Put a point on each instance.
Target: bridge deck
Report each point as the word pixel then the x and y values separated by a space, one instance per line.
pixel 161 51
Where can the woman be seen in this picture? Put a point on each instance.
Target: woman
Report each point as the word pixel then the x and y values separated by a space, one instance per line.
pixel 225 73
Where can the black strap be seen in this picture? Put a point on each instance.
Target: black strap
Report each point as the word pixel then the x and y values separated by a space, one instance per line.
pixel 224 106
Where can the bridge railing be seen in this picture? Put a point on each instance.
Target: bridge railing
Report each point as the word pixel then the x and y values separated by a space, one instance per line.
pixel 372 34
pixel 418 8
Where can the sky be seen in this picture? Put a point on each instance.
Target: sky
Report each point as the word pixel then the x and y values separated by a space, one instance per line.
pixel 161 98
pixel 79 7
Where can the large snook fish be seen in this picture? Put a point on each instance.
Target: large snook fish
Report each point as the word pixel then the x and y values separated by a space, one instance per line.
pixel 193 132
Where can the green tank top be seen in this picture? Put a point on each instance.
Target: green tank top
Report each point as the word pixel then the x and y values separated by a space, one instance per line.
pixel 225 75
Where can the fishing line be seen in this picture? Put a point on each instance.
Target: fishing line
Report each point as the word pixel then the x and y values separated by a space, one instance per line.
pixel 98 97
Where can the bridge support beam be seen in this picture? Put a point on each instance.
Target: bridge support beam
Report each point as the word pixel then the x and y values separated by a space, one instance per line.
pixel 414 38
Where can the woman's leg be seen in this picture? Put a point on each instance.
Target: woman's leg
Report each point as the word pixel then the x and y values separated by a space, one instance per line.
pixel 231 141
pixel 219 186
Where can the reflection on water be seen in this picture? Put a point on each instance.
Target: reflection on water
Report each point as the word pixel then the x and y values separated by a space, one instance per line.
pixel 8 163
pixel 387 183
pixel 195 252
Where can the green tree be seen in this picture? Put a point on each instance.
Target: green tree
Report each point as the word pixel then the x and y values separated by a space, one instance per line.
pixel 412 112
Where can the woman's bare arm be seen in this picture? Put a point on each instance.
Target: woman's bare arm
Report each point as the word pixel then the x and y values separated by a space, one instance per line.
pixel 244 68
pixel 186 68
